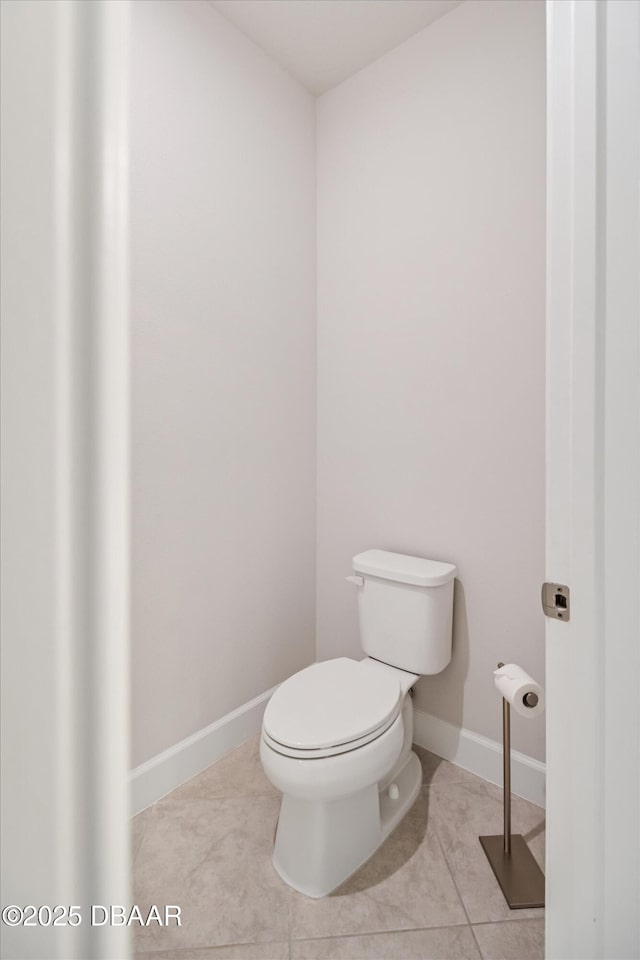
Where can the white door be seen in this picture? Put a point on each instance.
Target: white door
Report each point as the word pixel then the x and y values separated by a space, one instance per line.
pixel 593 478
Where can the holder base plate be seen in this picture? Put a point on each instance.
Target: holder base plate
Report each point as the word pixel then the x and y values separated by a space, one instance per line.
pixel 521 879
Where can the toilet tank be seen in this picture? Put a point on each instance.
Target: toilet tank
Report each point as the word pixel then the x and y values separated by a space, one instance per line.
pixel 405 608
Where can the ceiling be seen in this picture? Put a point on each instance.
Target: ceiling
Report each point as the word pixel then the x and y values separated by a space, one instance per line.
pixel 322 42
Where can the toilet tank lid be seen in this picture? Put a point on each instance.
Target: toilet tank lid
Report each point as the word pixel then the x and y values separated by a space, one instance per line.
pixel 397 566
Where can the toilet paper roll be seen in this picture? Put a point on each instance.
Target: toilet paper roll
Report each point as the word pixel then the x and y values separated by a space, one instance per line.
pixel 513 683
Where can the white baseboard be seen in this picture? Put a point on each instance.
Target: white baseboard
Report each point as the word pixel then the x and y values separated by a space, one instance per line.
pixel 169 769
pixel 480 755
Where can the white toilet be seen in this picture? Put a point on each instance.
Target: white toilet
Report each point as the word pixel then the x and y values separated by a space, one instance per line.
pixel 336 737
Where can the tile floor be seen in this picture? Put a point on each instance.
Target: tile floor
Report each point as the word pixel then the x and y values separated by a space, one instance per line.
pixel 427 894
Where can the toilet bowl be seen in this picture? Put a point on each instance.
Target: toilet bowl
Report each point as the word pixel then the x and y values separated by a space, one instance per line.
pixel 336 737
pixel 336 740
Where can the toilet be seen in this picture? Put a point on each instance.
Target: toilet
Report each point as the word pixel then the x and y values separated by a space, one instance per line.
pixel 336 737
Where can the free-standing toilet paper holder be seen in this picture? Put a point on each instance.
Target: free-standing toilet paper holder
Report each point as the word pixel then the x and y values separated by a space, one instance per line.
pixel 521 879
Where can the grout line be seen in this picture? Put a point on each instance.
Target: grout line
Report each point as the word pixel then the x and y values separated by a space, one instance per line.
pixel 136 847
pixel 448 865
pixel 479 923
pixel 341 936
pixel 462 782
pixel 170 954
pixel 461 898
pixel 485 923
pixel 169 799
pixel 440 926
pixel 381 933
pixel 290 914
pixel 205 796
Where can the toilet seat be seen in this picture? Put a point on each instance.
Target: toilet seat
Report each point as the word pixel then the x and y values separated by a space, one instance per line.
pixel 335 750
pixel 332 707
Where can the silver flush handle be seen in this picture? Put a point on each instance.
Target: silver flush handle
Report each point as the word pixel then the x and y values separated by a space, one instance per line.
pixel 359 581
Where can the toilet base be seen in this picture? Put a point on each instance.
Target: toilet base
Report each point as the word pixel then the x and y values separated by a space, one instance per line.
pixel 321 843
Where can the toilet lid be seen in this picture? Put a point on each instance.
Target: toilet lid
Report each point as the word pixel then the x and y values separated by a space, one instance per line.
pixel 331 703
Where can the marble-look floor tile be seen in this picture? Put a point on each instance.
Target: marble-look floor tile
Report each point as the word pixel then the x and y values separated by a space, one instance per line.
pixel 238 774
pixel 212 858
pixel 137 831
pixel 444 943
pixel 437 770
pixel 515 940
pixel 236 951
pixel 405 885
pixel 461 813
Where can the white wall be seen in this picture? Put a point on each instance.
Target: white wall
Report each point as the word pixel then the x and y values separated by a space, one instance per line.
pixel 223 305
pixel 431 216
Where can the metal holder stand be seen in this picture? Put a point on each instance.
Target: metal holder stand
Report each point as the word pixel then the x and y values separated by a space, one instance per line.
pixel 521 879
